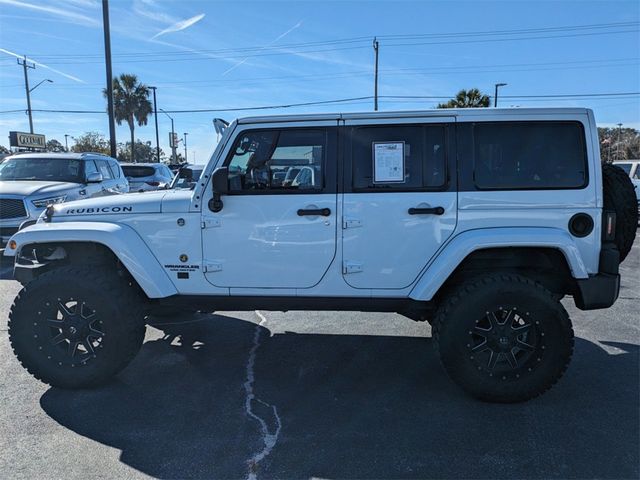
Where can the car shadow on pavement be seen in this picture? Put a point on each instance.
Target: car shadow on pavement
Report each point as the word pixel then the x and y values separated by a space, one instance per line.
pixel 350 406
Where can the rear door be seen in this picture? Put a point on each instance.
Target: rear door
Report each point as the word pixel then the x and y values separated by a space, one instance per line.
pixel 400 201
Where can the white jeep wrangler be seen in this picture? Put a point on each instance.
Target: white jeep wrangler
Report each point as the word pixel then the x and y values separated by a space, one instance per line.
pixel 478 221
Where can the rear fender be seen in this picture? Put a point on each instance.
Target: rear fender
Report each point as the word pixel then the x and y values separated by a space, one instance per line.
pixel 460 246
pixel 121 239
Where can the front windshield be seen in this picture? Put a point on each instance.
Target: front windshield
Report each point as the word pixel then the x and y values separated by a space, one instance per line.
pixel 41 169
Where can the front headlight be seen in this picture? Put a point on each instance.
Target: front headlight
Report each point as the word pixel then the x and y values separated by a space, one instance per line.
pixel 43 202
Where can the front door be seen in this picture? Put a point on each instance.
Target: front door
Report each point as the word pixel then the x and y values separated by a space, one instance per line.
pixel 400 201
pixel 277 227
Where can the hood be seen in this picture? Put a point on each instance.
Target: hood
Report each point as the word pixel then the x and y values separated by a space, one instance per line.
pixel 35 188
pixel 126 204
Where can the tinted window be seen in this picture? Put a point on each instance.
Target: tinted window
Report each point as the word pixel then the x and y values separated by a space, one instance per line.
pixel 134 171
pixel 39 168
pixel 103 166
pixel 278 160
pixel 624 166
pixel 399 157
pixel 529 155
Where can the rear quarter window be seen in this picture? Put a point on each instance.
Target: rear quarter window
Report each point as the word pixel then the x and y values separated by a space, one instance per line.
pixel 529 155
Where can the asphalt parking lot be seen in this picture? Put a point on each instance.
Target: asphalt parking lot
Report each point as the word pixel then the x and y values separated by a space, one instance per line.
pixel 324 395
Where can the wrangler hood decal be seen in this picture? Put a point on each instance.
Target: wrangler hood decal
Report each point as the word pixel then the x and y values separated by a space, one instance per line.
pixel 127 204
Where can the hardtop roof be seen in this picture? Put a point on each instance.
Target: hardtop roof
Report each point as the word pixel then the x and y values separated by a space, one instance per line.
pixel 437 112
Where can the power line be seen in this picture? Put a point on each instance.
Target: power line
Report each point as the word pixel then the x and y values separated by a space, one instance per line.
pixel 345 101
pixel 203 55
pixel 363 39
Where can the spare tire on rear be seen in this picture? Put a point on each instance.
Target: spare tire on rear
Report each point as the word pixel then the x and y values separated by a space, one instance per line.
pixel 620 197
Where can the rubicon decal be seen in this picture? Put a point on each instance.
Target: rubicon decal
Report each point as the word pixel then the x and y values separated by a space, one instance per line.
pixel 79 211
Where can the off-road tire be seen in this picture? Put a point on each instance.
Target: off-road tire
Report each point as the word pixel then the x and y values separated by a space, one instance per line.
pixel 113 307
pixel 620 196
pixel 464 311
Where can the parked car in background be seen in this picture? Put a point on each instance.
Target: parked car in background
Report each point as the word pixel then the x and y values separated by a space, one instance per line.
pixel 187 176
pixel 143 177
pixel 31 181
pixel 632 168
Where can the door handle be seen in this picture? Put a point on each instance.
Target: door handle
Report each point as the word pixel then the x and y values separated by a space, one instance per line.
pixel 325 212
pixel 426 211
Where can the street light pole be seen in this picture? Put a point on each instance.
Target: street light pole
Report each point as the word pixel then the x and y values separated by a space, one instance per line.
pixel 186 159
pixel 495 97
pixel 174 158
pixel 66 144
pixel 375 85
pixel 155 115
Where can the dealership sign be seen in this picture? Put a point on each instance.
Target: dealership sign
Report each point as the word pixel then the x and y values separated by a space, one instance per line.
pixel 26 140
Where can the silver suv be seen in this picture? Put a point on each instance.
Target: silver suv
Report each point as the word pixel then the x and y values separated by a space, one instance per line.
pixel 143 177
pixel 31 181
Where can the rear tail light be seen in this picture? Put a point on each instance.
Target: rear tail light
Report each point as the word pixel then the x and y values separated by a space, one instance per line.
pixel 153 184
pixel 609 226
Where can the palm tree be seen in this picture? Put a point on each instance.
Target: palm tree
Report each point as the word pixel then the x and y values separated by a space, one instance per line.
pixel 472 98
pixel 130 103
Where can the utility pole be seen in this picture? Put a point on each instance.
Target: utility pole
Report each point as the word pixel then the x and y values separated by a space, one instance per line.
pixel 107 61
pixel 66 143
pixel 25 66
pixel 375 87
pixel 186 159
pixel 619 141
pixel 155 115
pixel 495 97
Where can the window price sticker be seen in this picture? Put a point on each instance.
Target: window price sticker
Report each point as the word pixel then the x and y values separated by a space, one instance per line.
pixel 388 162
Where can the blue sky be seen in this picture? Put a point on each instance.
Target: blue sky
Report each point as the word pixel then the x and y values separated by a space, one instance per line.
pixel 224 54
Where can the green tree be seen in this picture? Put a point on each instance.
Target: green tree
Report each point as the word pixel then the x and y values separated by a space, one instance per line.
pixel 472 98
pixel 130 103
pixel 4 150
pixel 143 152
pixel 91 142
pixel 54 145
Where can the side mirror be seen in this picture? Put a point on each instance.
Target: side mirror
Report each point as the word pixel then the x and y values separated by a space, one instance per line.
pixel 220 180
pixel 94 177
pixel 220 185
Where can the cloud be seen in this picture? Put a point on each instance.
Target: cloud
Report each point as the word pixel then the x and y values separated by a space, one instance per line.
pixel 279 37
pixel 66 75
pixel 178 26
pixel 76 18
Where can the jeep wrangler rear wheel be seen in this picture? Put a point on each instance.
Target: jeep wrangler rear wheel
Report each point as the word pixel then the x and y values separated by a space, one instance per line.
pixel 74 328
pixel 503 338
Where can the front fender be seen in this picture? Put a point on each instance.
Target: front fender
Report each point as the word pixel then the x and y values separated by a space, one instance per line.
pixel 463 244
pixel 121 239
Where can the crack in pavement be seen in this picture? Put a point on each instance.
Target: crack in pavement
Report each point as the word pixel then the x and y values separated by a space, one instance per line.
pixel 268 438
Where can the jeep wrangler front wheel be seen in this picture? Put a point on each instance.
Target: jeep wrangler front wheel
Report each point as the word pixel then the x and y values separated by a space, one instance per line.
pixel 75 328
pixel 503 338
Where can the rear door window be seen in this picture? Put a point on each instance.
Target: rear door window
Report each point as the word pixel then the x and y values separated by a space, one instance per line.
pixel 529 155
pixel 399 157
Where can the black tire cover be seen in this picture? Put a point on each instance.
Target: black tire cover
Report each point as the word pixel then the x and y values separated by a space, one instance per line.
pixel 620 196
